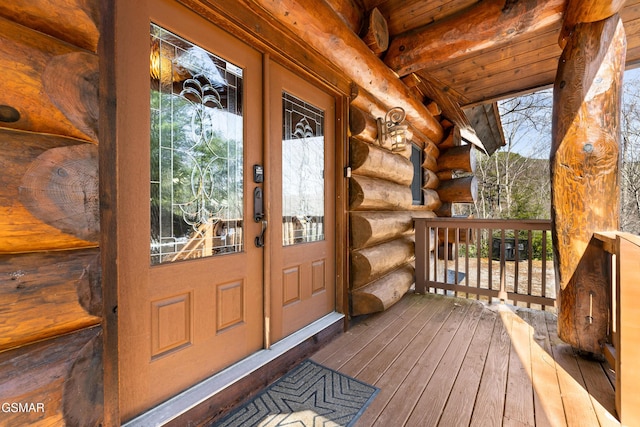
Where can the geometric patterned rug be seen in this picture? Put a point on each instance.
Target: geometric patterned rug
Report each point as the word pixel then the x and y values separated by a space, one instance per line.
pixel 310 395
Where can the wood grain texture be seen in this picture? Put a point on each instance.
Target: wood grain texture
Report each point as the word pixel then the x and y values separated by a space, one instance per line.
pixel 376 162
pixel 60 188
pixel 63 373
pixel 20 230
pixel 73 21
pixel 362 125
pixel 585 154
pixel 459 190
pixel 51 84
pixel 486 24
pixel 459 158
pixel 581 11
pixel 324 31
pixel 47 294
pixel 370 263
pixel 367 193
pixel 376 33
pixel 382 293
pixel 369 228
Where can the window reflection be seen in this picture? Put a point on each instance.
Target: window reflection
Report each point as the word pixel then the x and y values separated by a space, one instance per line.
pixel 196 151
pixel 302 172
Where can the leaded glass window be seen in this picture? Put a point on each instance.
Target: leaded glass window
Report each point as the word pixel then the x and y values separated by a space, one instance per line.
pixel 196 151
pixel 302 172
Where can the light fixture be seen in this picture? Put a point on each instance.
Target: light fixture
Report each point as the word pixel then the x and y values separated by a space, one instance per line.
pixel 392 131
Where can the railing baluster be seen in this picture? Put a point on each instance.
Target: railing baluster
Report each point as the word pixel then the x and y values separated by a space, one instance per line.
pixel 466 258
pixel 516 265
pixel 529 264
pixel 479 259
pixel 544 266
pixel 503 283
pixel 450 232
pixel 490 257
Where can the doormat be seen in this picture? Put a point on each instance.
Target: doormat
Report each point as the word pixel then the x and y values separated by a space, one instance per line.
pixel 310 395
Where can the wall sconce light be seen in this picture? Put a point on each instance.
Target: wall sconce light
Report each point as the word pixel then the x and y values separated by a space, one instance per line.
pixel 392 131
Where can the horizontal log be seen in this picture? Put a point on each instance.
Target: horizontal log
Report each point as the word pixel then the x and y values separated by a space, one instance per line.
pixel 429 162
pixel 372 262
pixel 382 293
pixel 60 188
pixel 351 55
pixel 445 175
pixel 362 125
pixel 350 12
pixel 431 199
pixel 52 87
pixel 376 32
pixel 434 108
pixel 363 100
pixel 73 21
pixel 459 190
pixel 460 158
pixel 63 374
pixel 431 149
pixel 20 230
pixel 445 210
pixel 484 25
pixel 429 179
pixel 453 139
pixel 46 294
pixel 367 194
pixel 376 162
pixel 369 228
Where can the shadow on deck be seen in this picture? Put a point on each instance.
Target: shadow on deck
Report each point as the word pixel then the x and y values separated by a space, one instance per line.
pixel 455 362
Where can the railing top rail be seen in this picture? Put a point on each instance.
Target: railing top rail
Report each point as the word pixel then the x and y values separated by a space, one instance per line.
pixel 473 223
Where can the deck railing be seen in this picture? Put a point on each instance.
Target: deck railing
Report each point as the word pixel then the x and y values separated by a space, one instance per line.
pixel 623 350
pixel 485 259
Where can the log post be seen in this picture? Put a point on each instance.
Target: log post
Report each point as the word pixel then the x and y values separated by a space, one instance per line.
pixel 584 160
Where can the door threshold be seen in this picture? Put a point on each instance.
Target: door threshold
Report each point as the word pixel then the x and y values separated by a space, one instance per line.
pixel 205 390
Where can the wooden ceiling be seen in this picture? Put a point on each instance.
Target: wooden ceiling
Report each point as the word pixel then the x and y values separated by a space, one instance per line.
pixel 477 57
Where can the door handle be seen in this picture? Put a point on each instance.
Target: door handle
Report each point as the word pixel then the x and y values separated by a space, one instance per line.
pixel 260 239
pixel 258 205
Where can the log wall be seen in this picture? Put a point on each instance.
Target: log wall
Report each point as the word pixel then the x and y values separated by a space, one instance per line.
pixel 50 279
pixel 382 248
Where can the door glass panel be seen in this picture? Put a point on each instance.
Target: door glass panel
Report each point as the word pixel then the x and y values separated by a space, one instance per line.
pixel 196 151
pixel 302 172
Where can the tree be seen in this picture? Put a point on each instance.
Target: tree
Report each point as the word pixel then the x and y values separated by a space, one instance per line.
pixel 630 157
pixel 514 182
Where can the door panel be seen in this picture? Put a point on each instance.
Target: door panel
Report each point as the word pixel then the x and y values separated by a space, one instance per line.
pixel 302 237
pixel 190 275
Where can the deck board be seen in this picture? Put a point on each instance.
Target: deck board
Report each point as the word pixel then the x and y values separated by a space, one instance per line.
pixel 453 362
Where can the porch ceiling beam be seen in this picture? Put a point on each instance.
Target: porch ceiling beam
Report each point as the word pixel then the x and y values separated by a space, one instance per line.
pixel 485 25
pixel 318 25
pixel 583 11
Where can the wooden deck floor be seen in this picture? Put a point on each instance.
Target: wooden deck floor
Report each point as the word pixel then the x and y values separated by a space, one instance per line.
pixel 453 362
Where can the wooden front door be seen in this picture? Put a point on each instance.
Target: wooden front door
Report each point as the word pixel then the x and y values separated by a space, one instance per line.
pixel 302 189
pixel 190 275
